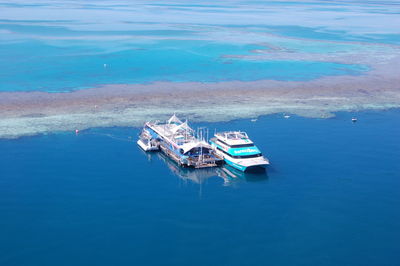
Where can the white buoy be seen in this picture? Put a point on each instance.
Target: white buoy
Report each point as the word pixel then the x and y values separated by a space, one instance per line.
pixel 76 131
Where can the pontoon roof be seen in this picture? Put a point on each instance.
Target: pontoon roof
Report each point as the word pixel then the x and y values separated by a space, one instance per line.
pixel 188 146
pixel 183 126
pixel 174 119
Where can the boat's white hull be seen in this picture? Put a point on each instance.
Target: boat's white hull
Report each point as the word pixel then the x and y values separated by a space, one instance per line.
pixel 146 147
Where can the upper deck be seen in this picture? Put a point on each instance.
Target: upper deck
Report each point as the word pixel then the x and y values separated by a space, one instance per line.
pixel 234 138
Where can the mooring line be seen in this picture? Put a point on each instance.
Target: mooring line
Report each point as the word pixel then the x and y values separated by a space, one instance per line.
pixel 107 135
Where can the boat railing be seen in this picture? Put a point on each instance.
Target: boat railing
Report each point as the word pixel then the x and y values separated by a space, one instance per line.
pixel 232 135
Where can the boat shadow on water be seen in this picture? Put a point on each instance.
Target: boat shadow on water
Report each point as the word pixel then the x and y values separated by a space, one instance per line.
pixel 229 174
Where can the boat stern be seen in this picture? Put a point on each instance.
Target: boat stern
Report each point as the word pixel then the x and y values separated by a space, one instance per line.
pixel 255 164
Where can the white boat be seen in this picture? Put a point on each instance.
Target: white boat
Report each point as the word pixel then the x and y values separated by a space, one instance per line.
pixel 147 142
pixel 238 150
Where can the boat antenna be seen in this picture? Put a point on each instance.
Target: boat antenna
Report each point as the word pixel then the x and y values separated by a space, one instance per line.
pixel 201 148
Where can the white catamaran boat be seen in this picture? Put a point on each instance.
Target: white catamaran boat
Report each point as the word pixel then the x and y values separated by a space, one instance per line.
pixel 238 150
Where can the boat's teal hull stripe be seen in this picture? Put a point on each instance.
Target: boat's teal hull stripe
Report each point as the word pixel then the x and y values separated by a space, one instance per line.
pixel 244 151
pixel 235 165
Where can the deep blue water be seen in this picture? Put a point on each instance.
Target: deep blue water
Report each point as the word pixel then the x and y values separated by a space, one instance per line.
pixel 331 197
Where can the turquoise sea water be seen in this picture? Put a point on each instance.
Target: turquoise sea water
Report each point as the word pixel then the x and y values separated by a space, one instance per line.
pixel 330 198
pixel 75 67
pixel 64 45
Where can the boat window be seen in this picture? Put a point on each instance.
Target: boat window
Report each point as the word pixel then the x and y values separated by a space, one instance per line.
pixel 236 135
pixel 236 146
pixel 223 142
pixel 242 145
pixel 248 156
